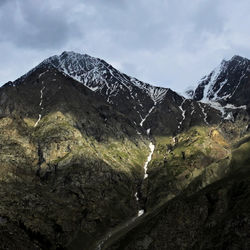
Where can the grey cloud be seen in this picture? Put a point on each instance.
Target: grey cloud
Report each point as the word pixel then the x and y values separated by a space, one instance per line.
pixel 32 26
pixel 168 42
pixel 2 2
pixel 207 18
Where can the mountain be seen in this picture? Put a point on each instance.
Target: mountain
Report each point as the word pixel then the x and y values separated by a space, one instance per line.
pixel 94 159
pixel 227 87
pixel 142 103
pixel 129 95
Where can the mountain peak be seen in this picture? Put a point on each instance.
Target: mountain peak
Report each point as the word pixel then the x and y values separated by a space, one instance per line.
pixel 227 85
pixel 117 88
pixel 73 63
pixel 76 56
pixel 100 76
pixel 238 58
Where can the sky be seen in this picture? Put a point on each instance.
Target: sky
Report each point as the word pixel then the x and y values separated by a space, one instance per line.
pixel 169 43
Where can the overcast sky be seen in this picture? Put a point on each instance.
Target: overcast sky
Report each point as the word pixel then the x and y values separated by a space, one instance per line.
pixel 170 43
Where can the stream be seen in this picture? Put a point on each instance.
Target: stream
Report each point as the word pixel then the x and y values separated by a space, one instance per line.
pixel 128 223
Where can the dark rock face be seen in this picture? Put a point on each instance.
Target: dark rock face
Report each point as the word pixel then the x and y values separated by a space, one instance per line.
pixel 175 114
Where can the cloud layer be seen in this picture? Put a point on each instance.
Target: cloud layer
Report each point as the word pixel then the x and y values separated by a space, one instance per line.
pixel 165 42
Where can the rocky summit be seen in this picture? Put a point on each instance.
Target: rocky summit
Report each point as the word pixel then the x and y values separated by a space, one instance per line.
pixel 92 158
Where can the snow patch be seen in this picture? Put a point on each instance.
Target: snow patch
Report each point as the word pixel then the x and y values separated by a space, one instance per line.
pixel 140 212
pixel 223 109
pixel 147 115
pixel 41 96
pixel 204 113
pixel 148 131
pixel 208 89
pixel 41 102
pixel 39 118
pixel 40 75
pixel 157 94
pixel 136 196
pixel 152 148
pixel 183 112
pixel 229 116
pixel 242 76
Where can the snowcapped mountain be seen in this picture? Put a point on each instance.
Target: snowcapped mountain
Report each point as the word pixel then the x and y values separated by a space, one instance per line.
pixel 100 76
pixel 227 87
pixel 156 109
pixel 127 93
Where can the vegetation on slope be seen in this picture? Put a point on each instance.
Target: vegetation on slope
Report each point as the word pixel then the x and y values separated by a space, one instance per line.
pixel 200 151
pixel 57 182
pixel 216 217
